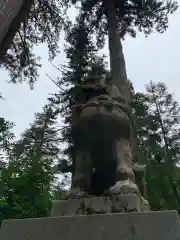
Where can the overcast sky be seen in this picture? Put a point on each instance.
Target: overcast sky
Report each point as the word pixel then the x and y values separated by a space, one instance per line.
pixel 154 58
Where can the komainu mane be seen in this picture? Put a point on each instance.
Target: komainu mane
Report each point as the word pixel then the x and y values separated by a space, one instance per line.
pixel 103 135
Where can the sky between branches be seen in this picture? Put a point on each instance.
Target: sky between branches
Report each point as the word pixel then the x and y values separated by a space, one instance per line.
pixel 155 58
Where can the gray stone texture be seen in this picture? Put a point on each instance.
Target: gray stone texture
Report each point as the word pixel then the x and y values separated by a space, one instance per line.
pixel 123 226
pixel 97 205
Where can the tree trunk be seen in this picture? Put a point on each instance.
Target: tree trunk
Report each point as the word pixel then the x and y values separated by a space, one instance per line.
pixel 117 61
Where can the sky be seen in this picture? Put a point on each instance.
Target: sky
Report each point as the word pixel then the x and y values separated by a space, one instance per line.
pixel 155 58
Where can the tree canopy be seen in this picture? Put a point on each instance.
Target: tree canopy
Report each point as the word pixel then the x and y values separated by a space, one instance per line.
pixel 43 24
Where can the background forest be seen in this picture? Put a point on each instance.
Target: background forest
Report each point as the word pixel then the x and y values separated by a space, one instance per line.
pixel 36 169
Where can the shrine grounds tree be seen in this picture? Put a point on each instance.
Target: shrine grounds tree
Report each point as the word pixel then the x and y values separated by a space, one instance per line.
pixel 116 19
pixel 82 60
pixel 6 135
pixel 43 24
pixel 27 178
pixel 6 139
pixel 158 128
pixel 165 143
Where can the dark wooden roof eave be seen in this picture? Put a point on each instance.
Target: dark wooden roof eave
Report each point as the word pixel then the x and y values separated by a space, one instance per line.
pixel 14 27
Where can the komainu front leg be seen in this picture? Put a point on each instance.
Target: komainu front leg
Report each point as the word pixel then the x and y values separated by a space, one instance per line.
pixel 125 179
pixel 82 175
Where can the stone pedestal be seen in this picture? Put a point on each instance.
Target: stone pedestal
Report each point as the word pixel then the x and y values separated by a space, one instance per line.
pixel 98 218
pixel 97 205
pixel 121 226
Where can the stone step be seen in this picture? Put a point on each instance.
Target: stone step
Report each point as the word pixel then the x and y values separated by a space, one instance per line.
pixel 96 205
pixel 121 226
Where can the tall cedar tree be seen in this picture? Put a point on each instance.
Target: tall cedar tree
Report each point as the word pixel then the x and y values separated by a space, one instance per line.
pixel 118 18
pixel 166 112
pixel 43 24
pixel 165 144
pixel 82 61
pixel 158 125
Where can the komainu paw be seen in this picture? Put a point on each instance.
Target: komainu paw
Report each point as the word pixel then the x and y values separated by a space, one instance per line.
pixel 124 187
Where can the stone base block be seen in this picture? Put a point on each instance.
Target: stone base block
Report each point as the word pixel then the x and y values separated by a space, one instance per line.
pixel 121 226
pixel 96 205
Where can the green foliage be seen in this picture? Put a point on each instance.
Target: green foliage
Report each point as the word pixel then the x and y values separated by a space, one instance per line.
pixel 26 191
pixel 6 134
pixel 27 177
pixel 82 61
pixel 166 112
pixel 6 138
pixel 46 19
pixel 43 24
pixel 133 16
pixel 158 127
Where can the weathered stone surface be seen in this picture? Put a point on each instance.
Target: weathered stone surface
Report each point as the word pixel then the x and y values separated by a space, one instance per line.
pixel 96 205
pixel 103 112
pixel 131 226
pixel 145 205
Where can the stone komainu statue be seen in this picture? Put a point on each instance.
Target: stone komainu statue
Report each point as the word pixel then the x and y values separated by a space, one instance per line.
pixel 103 135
